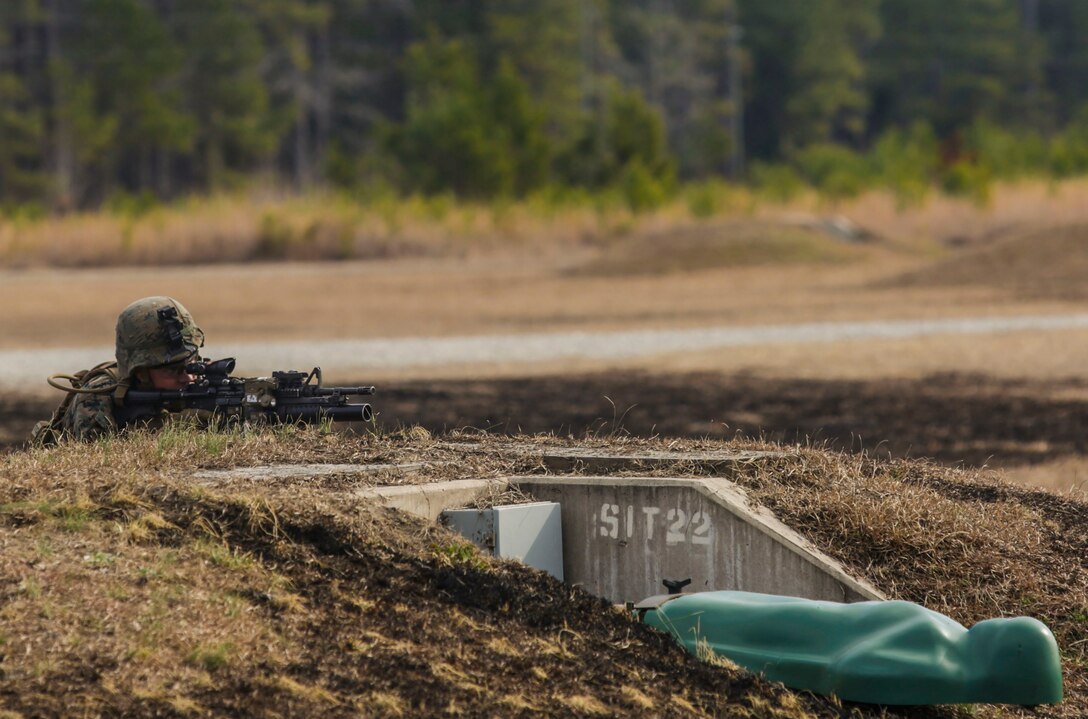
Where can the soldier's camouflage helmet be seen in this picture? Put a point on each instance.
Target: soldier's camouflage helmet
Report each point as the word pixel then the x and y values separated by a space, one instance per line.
pixel 155 331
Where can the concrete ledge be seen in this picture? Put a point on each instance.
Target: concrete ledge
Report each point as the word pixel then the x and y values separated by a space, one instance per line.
pixel 568 459
pixel 304 471
pixel 623 535
pixel 430 500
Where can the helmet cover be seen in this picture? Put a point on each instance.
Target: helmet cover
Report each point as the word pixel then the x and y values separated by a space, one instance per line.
pixel 155 331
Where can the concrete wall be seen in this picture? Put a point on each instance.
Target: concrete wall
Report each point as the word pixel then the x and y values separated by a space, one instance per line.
pixel 430 500
pixel 623 535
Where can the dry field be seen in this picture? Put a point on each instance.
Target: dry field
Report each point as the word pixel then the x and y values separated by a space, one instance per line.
pixel 130 589
pixel 957 398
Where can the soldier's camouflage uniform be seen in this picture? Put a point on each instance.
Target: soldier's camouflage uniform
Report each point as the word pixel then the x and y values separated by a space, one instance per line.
pixel 145 339
pixel 91 415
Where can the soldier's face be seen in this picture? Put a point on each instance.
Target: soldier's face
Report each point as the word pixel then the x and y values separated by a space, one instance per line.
pixel 169 378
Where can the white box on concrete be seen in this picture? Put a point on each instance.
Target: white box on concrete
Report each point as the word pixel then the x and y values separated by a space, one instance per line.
pixel 531 533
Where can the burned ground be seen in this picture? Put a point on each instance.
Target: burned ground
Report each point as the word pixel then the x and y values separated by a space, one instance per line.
pixel 954 418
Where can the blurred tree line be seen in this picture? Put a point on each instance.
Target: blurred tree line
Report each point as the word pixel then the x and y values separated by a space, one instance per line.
pixel 158 98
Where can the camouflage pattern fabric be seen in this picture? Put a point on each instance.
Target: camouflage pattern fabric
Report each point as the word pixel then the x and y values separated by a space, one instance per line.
pixel 86 417
pixel 90 415
pixel 81 416
pixel 146 339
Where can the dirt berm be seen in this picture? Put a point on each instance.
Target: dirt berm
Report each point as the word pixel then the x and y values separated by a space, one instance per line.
pixel 131 586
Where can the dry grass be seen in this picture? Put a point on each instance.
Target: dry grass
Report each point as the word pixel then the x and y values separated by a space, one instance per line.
pixel 334 608
pixel 1068 474
pixel 943 220
pixel 266 225
pixel 1048 261
pixel 745 243
pixel 187 614
pixel 397 299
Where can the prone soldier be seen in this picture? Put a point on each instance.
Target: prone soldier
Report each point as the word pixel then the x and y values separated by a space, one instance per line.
pixel 156 340
pixel 158 372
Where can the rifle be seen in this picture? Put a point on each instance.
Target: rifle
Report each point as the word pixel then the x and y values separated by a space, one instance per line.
pixel 288 396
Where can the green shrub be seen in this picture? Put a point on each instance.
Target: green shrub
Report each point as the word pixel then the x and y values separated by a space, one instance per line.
pixel 710 197
pixel 776 182
pixel 130 205
pixel 834 170
pixel 967 179
pixel 642 191
pixel 1006 154
pixel 1068 152
pixel 23 213
pixel 906 162
pixel 705 199
pixel 274 238
pixel 212 657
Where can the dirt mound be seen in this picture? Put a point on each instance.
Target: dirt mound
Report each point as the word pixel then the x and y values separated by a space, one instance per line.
pixel 733 243
pixel 128 590
pixel 131 588
pixel 1050 262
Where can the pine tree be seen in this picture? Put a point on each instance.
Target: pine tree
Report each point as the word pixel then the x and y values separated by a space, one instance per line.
pixel 829 101
pixel 22 161
pixel 946 63
pixel 447 141
pixel 236 129
pixel 298 73
pixel 21 133
pixel 676 53
pixel 1064 25
pixel 540 38
pixel 807 83
pixel 135 80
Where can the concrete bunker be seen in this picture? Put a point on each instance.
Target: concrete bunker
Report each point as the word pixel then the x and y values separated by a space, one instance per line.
pixel 622 536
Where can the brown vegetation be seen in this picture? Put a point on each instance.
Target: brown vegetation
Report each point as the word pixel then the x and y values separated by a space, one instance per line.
pixel 1039 262
pixel 270 226
pixel 132 588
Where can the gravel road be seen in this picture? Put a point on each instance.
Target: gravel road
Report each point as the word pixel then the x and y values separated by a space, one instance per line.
pixel 342 356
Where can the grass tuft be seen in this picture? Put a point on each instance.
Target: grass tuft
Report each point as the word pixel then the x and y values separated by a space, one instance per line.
pixel 459 553
pixel 585 704
pixel 309 692
pixel 636 697
pixel 387 703
pixel 223 555
pixel 212 657
pixel 185 705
